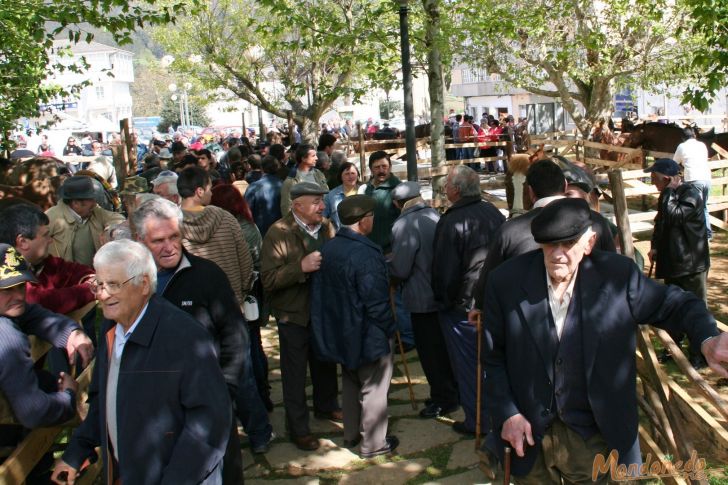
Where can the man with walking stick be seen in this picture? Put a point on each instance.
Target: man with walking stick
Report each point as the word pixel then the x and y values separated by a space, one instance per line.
pixel 559 349
pixel 352 324
pixel 462 237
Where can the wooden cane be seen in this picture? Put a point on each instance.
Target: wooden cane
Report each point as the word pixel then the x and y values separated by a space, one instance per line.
pixel 406 371
pixel 401 350
pixel 478 381
pixel 507 466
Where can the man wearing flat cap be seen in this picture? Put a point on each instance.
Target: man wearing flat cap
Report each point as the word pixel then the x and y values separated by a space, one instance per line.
pixel 679 246
pixel 353 325
pixel 413 235
pixel 559 345
pixel 36 398
pixel 77 222
pixel 290 254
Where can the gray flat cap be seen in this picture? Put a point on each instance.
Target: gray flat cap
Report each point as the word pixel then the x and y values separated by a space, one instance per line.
pixel 307 188
pixel 406 190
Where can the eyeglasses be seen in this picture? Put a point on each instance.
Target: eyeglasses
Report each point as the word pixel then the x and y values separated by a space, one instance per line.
pixel 111 288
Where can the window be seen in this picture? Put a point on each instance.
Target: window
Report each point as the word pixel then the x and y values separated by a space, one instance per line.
pixel 100 92
pixel 474 75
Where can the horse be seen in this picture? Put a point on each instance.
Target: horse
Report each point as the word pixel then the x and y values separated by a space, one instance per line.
pixel 654 136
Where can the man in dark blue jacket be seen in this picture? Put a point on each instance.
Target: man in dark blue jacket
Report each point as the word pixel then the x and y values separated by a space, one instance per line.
pixel 159 408
pixel 559 345
pixel 353 325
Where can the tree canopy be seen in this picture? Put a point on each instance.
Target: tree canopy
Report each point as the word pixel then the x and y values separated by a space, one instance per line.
pixel 27 31
pixel 580 51
pixel 287 55
pixel 710 61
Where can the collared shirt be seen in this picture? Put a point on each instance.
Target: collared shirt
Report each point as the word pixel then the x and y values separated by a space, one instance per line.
pixel 544 201
pixel 560 308
pixel 122 337
pixel 311 232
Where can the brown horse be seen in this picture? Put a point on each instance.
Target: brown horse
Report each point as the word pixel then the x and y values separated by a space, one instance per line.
pixel 659 137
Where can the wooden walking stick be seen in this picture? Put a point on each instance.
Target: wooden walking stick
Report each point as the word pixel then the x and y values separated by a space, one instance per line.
pixel 401 350
pixel 479 380
pixel 507 466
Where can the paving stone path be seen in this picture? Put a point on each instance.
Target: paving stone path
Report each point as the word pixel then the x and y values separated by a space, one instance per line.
pixel 429 451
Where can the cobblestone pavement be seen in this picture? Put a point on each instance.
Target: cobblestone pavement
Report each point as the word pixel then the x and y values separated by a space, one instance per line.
pixel 429 451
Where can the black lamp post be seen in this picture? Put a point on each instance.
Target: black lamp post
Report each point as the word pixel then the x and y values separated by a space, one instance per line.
pixel 409 116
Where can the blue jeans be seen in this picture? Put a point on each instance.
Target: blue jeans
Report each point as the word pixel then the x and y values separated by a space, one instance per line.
pixel 704 187
pixel 251 411
pixel 460 339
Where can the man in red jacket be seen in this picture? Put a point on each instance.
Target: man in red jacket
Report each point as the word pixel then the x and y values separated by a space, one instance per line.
pixel 63 286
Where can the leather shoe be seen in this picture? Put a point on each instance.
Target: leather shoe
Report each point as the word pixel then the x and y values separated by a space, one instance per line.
pixel 353 443
pixel 336 415
pixel 459 427
pixel 392 444
pixel 306 443
pixel 433 410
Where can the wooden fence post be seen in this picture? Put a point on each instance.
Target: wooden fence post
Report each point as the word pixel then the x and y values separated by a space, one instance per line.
pixel 621 212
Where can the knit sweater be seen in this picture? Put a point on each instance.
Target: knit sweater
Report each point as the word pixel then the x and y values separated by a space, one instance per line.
pixel 58 288
pixel 215 234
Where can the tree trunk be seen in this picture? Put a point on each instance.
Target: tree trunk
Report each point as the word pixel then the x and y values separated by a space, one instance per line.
pixel 437 92
pixel 309 131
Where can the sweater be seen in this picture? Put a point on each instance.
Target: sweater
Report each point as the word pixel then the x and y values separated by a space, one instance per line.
pixel 215 234
pixel 59 288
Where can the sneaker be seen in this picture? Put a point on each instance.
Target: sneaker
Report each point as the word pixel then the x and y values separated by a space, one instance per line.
pixel 392 444
pixel 264 447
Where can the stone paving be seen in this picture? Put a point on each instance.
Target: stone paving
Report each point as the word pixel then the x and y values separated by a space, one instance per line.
pixel 429 451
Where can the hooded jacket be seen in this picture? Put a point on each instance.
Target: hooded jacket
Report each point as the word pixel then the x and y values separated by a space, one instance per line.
pixel 215 234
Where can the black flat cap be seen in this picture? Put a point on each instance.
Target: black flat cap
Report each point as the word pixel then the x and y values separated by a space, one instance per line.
pixel 575 175
pixel 307 188
pixel 353 208
pixel 665 166
pixel 13 268
pixel 561 220
pixel 78 187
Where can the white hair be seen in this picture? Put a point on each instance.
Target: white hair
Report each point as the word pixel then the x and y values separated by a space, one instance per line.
pixel 157 207
pixel 466 180
pixel 133 256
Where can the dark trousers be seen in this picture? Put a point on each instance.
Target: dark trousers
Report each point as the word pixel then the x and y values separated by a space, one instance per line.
pixel 460 338
pixel 232 462
pixel 259 362
pixel 435 360
pixel 695 283
pixel 296 352
pixel 250 408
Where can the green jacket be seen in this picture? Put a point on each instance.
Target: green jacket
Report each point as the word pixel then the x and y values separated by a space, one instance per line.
pixel 384 213
pixel 293 178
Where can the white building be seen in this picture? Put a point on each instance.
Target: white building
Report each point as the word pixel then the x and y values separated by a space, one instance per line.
pixel 107 100
pixel 488 93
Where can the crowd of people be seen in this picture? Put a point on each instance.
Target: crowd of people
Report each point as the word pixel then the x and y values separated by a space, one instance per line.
pixel 464 129
pixel 206 250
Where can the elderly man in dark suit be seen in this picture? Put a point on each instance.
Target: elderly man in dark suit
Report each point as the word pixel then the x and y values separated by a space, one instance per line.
pixel 559 346
pixel 159 406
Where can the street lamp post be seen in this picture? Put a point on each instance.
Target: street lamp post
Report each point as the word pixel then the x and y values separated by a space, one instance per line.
pixel 409 116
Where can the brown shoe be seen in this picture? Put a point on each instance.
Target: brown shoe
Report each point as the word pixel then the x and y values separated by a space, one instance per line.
pixel 306 443
pixel 336 415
